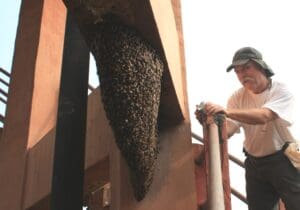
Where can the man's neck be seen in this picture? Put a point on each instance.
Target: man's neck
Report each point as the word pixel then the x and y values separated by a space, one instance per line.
pixel 266 85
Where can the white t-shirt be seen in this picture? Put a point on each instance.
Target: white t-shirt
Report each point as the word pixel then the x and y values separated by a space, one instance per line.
pixel 262 140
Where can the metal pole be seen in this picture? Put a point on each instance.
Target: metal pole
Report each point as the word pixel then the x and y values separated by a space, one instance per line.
pixel 69 154
pixel 215 191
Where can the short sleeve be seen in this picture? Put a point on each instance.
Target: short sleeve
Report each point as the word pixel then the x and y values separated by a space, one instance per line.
pixel 281 101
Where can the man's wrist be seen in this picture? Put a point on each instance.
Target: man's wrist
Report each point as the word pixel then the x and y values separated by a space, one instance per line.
pixel 226 112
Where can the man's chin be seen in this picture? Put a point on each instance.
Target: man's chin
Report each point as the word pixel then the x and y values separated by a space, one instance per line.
pixel 248 85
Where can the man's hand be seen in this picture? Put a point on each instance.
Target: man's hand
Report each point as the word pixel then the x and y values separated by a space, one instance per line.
pixel 200 116
pixel 208 109
pixel 211 109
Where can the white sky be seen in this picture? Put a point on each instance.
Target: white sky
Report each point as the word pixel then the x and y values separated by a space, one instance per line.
pixel 215 29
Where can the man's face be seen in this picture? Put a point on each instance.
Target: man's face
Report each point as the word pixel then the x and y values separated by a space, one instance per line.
pixel 251 77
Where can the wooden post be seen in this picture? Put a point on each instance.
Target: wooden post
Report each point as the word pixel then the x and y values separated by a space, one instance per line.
pixel 68 171
pixel 32 96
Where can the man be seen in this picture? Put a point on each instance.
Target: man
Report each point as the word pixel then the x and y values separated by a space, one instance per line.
pixel 263 108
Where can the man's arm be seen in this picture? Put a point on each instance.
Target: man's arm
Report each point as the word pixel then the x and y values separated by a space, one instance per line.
pixel 249 116
pixel 231 128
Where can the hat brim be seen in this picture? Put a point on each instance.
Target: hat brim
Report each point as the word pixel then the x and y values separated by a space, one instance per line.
pixel 237 63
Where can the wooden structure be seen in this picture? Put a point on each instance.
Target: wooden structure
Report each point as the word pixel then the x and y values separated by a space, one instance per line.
pixel 46 53
pixel 27 141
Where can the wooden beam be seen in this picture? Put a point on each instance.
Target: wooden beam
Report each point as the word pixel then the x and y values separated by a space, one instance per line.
pixel 68 171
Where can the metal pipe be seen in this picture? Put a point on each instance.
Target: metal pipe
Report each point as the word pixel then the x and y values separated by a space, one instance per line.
pixel 236 161
pixel 215 191
pixel 239 195
pixel 197 137
pixel 3 100
pixel 3 92
pixel 4 82
pixel 91 88
pixel 4 72
pixel 2 118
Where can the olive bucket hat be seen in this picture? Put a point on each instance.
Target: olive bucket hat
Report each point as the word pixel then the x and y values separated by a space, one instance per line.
pixel 245 54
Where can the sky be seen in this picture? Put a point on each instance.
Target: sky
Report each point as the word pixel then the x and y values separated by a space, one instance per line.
pixel 213 31
pixel 8 22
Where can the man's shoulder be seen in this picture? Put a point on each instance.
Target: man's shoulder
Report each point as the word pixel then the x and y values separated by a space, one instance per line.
pixel 277 85
pixel 280 89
